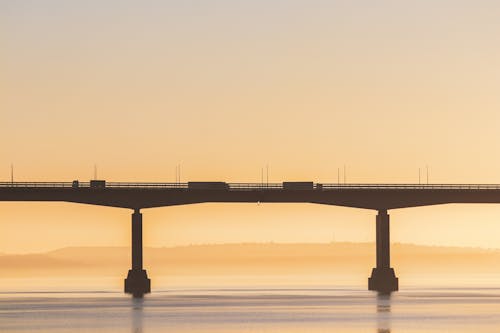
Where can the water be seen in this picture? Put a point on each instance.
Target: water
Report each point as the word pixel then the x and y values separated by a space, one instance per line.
pixel 254 310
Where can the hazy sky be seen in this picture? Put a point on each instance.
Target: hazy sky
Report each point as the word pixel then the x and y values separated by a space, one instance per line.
pixel 225 87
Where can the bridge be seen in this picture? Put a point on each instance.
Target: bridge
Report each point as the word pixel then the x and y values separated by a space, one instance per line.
pixel 137 196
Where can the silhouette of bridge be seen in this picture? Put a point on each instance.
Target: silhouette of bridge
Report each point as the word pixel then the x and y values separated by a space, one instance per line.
pixel 137 196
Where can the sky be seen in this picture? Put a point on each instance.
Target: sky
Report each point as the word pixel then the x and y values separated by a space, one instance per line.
pixel 224 88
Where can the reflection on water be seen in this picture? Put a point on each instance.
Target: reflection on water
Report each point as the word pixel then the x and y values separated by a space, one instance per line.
pixel 137 314
pixel 384 313
pixel 461 310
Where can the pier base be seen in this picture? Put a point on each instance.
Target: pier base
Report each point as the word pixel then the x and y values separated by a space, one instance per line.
pixel 137 283
pixel 383 280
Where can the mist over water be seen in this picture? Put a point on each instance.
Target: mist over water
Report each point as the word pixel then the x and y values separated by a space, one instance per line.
pixel 224 289
pixel 254 310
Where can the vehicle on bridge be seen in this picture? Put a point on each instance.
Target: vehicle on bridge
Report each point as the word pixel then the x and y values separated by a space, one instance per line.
pixel 97 183
pixel 298 185
pixel 208 186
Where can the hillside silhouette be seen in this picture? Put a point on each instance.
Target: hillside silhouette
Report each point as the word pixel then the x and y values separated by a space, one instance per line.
pixel 266 263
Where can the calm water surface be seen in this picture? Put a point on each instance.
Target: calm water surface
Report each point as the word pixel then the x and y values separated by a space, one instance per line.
pixel 254 310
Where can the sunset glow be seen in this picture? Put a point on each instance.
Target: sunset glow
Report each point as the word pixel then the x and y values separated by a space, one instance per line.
pixel 224 88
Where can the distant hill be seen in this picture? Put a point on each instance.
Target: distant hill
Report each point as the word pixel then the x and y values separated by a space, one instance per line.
pixel 259 263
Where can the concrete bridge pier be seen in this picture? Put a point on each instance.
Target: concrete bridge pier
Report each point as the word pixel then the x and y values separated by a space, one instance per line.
pixel 137 282
pixel 383 278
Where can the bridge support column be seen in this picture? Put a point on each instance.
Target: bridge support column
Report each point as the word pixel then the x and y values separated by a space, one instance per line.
pixel 137 282
pixel 383 278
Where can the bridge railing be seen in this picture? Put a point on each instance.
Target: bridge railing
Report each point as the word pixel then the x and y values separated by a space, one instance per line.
pixel 336 186
pixel 37 184
pixel 87 184
pixel 147 185
pixel 412 186
pixel 256 186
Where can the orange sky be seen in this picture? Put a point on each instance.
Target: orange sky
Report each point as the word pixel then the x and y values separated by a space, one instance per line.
pixel 226 87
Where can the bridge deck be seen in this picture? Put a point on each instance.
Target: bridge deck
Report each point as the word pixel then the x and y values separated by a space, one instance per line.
pixel 147 195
